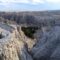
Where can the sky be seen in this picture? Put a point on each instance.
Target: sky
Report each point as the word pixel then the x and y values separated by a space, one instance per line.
pixel 29 5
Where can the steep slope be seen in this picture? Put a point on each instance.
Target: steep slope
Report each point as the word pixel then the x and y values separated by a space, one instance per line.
pixel 48 46
pixel 12 47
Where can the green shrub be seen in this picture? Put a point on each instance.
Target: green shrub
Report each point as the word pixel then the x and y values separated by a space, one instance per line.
pixel 1 36
pixel 29 31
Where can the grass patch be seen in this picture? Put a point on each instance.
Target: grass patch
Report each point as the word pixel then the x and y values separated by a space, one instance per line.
pixel 29 31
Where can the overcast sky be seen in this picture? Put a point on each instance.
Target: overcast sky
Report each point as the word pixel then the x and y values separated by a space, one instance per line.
pixel 29 5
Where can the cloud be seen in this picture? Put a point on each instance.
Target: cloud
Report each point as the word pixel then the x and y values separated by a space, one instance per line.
pixel 53 1
pixel 14 1
pixel 22 1
pixel 46 1
pixel 8 3
pixel 33 2
pixel 37 1
pixel 28 4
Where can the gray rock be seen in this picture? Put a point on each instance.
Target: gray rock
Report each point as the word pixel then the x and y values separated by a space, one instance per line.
pixel 47 46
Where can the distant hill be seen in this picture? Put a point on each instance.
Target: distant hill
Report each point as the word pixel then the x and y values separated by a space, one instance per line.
pixel 38 18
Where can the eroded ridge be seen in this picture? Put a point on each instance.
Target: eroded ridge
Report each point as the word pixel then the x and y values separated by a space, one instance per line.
pixel 12 45
pixel 5 32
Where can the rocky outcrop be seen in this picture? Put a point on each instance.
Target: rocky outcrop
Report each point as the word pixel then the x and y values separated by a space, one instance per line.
pixel 16 46
pixel 12 46
pixel 48 46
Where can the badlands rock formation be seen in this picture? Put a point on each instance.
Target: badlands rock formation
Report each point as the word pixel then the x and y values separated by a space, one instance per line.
pixel 48 44
pixel 14 45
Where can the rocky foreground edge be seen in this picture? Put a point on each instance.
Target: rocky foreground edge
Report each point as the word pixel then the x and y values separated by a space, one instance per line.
pixel 16 46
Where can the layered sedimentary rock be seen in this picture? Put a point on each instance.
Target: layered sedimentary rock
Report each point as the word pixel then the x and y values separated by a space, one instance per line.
pixel 12 46
pixel 48 46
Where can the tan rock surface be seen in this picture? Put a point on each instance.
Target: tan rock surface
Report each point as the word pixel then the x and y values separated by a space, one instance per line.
pixel 13 47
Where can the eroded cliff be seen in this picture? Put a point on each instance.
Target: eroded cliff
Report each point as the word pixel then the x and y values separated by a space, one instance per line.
pixel 15 45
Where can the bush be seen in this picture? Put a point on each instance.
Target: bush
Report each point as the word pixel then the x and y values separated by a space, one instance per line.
pixel 1 36
pixel 29 31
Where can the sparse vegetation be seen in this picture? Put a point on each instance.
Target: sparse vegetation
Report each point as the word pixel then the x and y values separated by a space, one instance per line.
pixel 29 31
pixel 1 36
